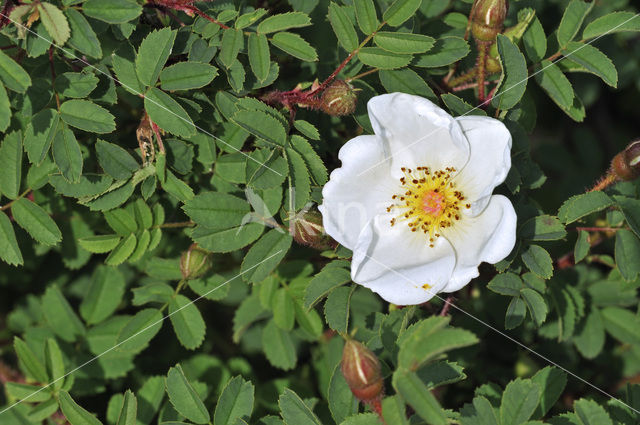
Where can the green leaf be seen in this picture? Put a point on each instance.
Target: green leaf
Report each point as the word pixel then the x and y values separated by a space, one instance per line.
pixel 55 22
pixel 555 84
pixel 283 310
pixel 593 60
pixel 121 221
pixel 112 11
pixel 382 59
pixel 313 162
pixel 184 398
pixel 187 75
pixel 622 324
pixel 187 322
pixel 631 210
pixel 39 135
pixel 75 84
pixel 74 413
pixel 67 154
pixel 5 109
pixel 284 21
pixel 13 75
pixel 323 283
pixel 261 125
pixel 342 402
pixel 612 23
pixel 216 210
pixel 265 255
pixel 99 244
pixel 227 240
pixel 11 164
pixel 300 179
pixel 294 411
pixel 535 41
pixel 9 249
pixel 55 363
pixel 294 45
pixel 571 21
pixel 29 393
pixel 394 411
pixel 30 363
pixel 123 61
pixel 627 253
pixel 513 81
pixel 363 419
pixel 259 56
pixel 250 18
pixel 104 295
pixel 83 37
pixel 306 128
pixel 400 42
pixel 579 206
pixel 129 409
pixel 551 381
pixel 366 15
pixel 590 337
pixel 168 114
pixel 506 284
pixel 400 11
pixel 538 260
pixel 543 228
pixel 417 395
pixel 139 330
pixel 535 303
pixel 232 43
pixel 591 413
pixel 342 27
pixel 516 311
pixel 115 161
pixel 87 116
pixel 337 308
pixel 153 54
pixel 235 401
pixel 519 401
pixel 445 51
pixel 61 318
pixel 278 347
pixel 32 218
pixel 123 251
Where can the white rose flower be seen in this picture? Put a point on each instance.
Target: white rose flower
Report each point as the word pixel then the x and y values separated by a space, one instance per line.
pixel 414 201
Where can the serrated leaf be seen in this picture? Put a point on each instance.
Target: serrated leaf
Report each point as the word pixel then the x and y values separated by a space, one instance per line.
pixel 329 278
pixel 337 309
pixel 87 116
pixel 306 128
pixel 99 244
pixel 227 240
pixel 184 398
pixel 115 161
pixel 394 410
pixel 294 45
pixel 60 316
pixel 5 109
pixel 445 51
pixel 153 54
pixel 591 413
pixel 123 62
pixel 122 251
pixel 75 414
pixel 235 401
pixel 265 255
pixel 259 56
pixel 278 347
pixel 83 37
pixel 232 43
pixel 403 43
pixel 579 206
pixel 9 249
pixel 129 409
pixel 400 11
pixel 187 75
pixel 555 84
pixel 513 81
pixel 622 324
pixel 538 260
pixel 516 311
pixel 13 75
pixel 75 84
pixel 283 22
pixel 216 210
pixel 168 114
pixel 300 179
pixel 32 364
pixel 314 163
pixel 535 303
pixel 187 322
pixel 26 392
pixel 627 252
pixel 112 11
pixel 382 59
pixel 67 154
pixel 417 395
pixel 506 284
pixel 342 27
pixel 342 402
pixel 11 164
pixel 535 41
pixel 262 125
pixel 543 228
pixel 103 295
pixel 32 218
pixel 571 21
pixel 366 15
pixel 551 381
pixel 294 410
pixel 631 210
pixel 283 309
pixel 612 23
pixel 55 22
pixel 519 401
pixel 55 363
pixel 593 60
pixel 139 330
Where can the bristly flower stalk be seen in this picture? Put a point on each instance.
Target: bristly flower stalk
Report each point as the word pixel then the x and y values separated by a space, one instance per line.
pixel 625 166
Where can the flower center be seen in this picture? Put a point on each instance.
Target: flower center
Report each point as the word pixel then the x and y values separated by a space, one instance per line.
pixel 428 201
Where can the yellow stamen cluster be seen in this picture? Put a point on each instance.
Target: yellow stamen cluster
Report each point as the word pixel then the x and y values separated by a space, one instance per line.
pixel 428 202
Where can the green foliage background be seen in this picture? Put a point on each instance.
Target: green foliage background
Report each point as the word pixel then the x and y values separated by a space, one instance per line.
pixel 92 229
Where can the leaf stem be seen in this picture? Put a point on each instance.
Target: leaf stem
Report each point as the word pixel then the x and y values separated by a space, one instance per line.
pixel 363 74
pixel 175 225
pixel 8 205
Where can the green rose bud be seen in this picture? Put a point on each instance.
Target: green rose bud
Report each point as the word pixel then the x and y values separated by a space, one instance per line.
pixel 195 262
pixel 487 20
pixel 340 98
pixel 361 369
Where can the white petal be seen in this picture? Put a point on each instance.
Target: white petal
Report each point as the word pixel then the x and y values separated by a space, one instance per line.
pixel 399 264
pixel 417 132
pixel 488 237
pixel 489 160
pixel 350 200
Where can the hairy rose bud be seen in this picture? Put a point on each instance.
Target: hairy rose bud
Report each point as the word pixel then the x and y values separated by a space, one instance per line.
pixel 626 165
pixel 339 98
pixel 307 229
pixel 195 262
pixel 361 369
pixel 487 20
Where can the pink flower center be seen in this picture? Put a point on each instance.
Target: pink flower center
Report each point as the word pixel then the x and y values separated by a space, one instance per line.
pixel 433 203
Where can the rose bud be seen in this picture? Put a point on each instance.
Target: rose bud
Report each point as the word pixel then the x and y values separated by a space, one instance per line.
pixel 306 229
pixel 626 164
pixel 488 17
pixel 340 98
pixel 361 369
pixel 195 262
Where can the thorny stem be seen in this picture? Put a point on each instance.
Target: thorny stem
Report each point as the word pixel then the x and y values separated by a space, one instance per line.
pixel 208 18
pixel 483 49
pixel 464 78
pixel 376 406
pixel 466 86
pixel 606 181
